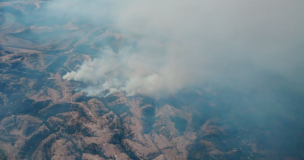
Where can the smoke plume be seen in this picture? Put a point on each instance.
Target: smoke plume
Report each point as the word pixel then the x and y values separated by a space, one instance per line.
pixel 180 44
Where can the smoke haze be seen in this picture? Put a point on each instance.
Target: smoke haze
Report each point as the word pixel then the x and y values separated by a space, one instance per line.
pixel 181 44
pixel 236 64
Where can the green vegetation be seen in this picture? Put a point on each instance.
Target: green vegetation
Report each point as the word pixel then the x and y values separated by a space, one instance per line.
pixel 179 123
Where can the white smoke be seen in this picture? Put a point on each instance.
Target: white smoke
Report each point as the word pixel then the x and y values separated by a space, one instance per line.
pixel 188 43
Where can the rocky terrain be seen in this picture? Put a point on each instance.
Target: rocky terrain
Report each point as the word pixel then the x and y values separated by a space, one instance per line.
pixel 43 116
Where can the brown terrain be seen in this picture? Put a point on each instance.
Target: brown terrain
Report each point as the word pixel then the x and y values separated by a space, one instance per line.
pixel 43 116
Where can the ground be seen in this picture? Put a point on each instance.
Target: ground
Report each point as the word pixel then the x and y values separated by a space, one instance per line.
pixel 43 116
